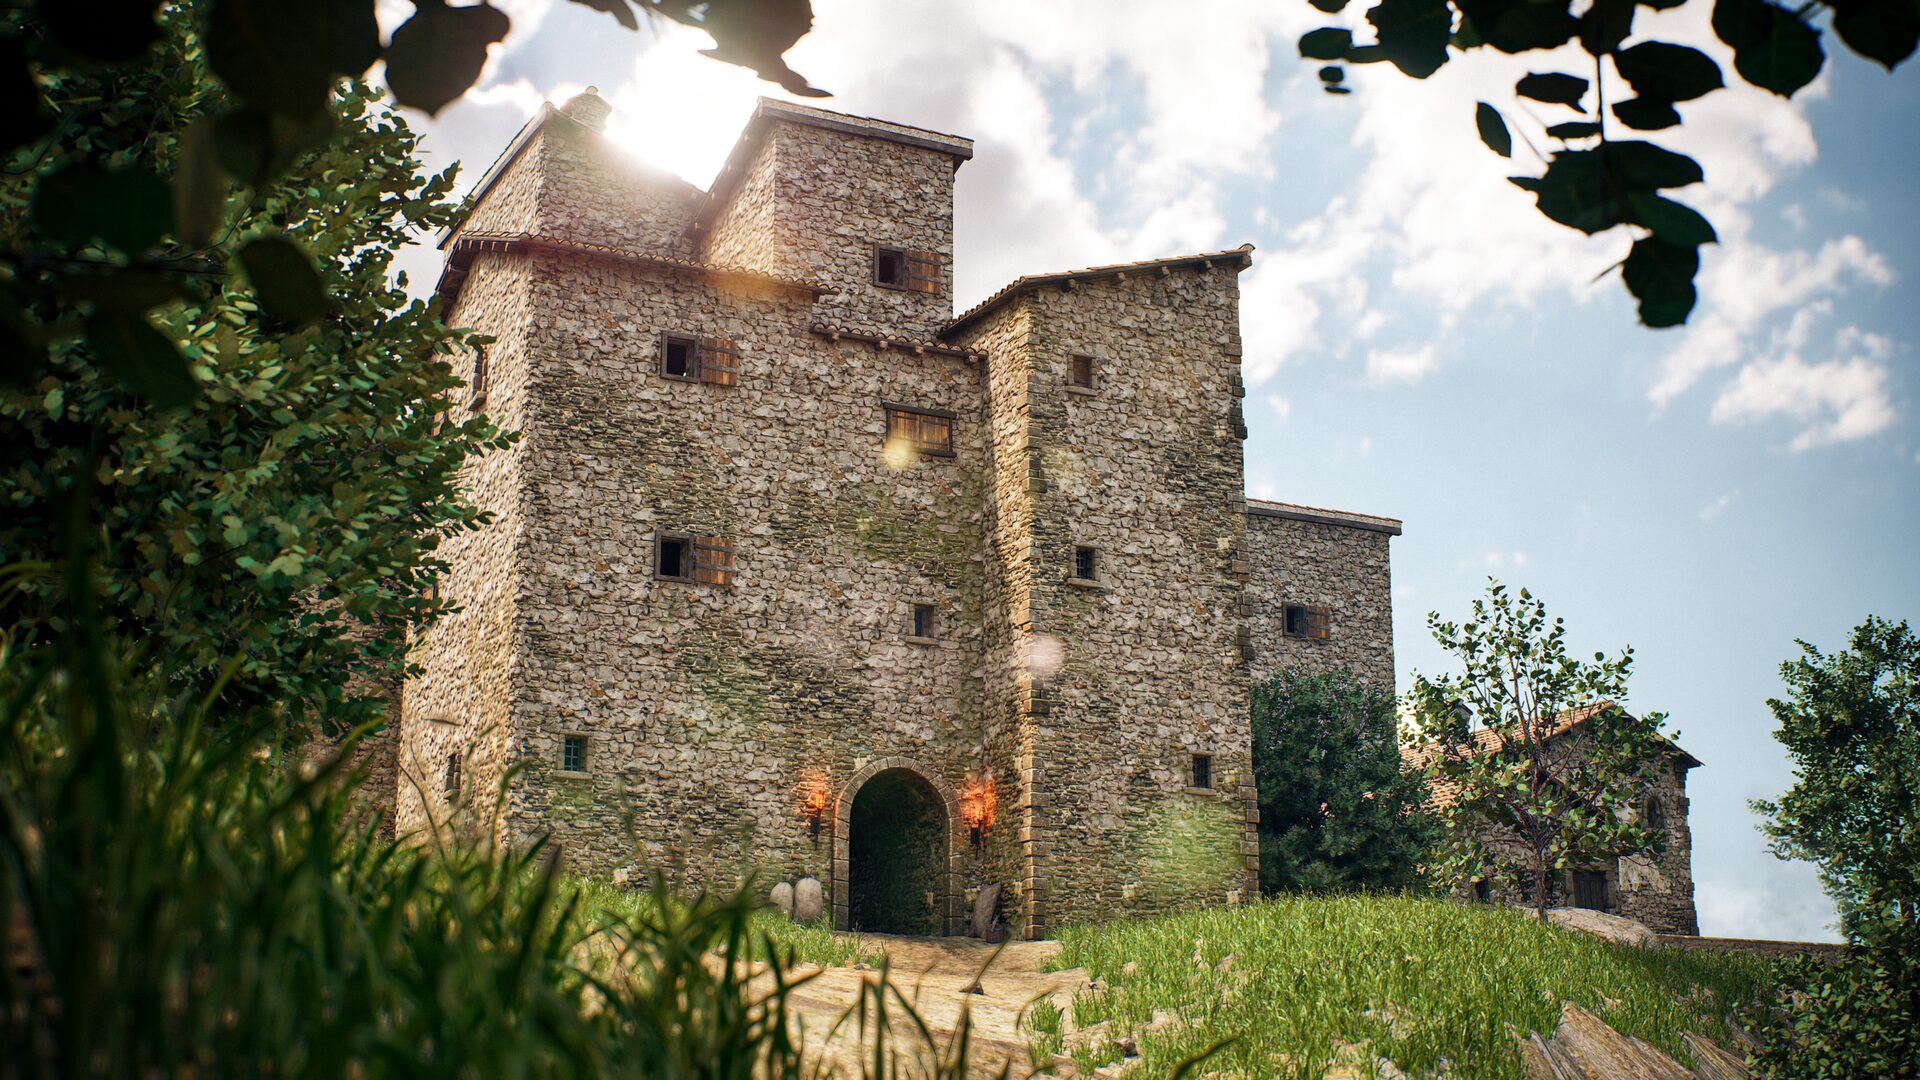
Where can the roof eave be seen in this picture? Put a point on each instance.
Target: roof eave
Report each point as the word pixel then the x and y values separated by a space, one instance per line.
pixel 1237 259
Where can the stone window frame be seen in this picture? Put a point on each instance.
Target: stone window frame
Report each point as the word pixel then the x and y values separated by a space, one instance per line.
pixel 1097 564
pixel 584 759
pixel 913 433
pixel 915 609
pixel 920 271
pixel 477 390
pixel 1200 766
pixel 663 537
pixel 1092 383
pixel 1311 614
pixel 450 781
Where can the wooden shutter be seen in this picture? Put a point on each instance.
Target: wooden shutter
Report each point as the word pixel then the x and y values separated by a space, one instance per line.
pixel 712 561
pixel 717 361
pixel 925 271
pixel 1319 623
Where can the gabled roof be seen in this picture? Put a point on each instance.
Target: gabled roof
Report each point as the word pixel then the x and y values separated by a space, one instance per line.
pixel 468 245
pixel 1484 739
pixel 1237 258
pixel 768 111
pixel 1345 518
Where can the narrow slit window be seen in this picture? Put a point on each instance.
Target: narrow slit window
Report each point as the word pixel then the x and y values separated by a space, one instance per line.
pixel 1081 372
pixel 1200 772
pixel 477 399
pixel 673 557
pixel 573 753
pixel 921 431
pixel 452 780
pixel 1086 564
pixel 922 621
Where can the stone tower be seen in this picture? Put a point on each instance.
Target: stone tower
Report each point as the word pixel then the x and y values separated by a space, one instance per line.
pixel 794 573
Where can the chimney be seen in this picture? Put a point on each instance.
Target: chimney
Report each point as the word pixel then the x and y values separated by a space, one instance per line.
pixel 589 108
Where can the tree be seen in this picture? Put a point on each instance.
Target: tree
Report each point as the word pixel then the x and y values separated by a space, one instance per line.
pixel 281 510
pixel 138 237
pixel 1545 771
pixel 1338 809
pixel 1850 722
pixel 1596 181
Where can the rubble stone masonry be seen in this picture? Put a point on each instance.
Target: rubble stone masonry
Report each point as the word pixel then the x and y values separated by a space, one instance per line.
pixel 1084 741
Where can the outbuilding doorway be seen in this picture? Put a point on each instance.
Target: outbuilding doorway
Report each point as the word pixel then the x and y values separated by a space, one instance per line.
pixel 897 855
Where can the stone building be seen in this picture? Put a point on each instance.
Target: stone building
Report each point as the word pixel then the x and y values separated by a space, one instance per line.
pixel 1655 889
pixel 795 572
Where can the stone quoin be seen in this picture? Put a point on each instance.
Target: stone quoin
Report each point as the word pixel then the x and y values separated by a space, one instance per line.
pixel 795 573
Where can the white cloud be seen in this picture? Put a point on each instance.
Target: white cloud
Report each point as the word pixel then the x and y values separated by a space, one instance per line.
pixel 1281 407
pixel 1399 365
pixel 1834 401
pixel 1718 506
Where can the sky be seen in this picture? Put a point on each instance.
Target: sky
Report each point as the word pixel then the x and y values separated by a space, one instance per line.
pixel 1419 341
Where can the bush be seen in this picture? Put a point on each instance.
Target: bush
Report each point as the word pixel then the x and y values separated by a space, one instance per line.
pixel 1856 1017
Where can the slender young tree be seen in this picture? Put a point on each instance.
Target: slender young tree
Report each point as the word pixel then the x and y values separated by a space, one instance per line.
pixel 1545 772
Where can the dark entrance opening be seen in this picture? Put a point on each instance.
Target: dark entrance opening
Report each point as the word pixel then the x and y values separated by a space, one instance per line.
pixel 896 856
pixel 1590 889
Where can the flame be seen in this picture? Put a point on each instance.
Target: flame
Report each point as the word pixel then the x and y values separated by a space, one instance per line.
pixel 813 795
pixel 978 803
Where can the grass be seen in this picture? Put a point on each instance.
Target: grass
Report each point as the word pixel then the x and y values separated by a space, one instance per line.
pixel 1427 983
pixel 1045 1038
pixel 601 902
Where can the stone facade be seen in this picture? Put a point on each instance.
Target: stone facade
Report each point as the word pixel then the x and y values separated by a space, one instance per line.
pixel 1305 557
pixel 1034 634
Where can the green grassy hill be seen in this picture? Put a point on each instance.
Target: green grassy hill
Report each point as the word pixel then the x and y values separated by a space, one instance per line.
pixel 1425 983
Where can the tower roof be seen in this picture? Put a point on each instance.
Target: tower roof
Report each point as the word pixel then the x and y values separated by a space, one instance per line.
pixel 1238 258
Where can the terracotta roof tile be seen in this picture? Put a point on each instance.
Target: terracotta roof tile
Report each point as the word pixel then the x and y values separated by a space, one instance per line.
pixel 1298 512
pixel 1484 739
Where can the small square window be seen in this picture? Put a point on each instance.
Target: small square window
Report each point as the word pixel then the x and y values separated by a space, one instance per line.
pixel 1086 564
pixel 679 356
pixel 904 268
pixel 1306 621
pixel 573 753
pixel 923 431
pixel 1200 772
pixel 452 780
pixel 1081 373
pixel 922 624
pixel 673 557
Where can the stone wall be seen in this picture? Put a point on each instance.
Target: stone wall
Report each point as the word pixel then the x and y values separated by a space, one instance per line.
pixel 460 705
pixel 813 202
pixel 1145 666
pixel 1339 561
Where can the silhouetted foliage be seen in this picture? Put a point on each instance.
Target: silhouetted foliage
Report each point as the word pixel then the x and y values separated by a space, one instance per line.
pixel 1596 181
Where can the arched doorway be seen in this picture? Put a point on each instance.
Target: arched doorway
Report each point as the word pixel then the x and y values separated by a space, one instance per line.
pixel 897 855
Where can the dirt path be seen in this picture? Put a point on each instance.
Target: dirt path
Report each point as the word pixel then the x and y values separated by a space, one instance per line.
pixel 938 975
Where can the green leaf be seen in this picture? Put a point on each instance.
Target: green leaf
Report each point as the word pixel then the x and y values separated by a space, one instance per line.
pixel 126 290
pixel 1671 221
pixel 1643 115
pixel 438 53
pixel 1605 25
pixel 1413 34
pixel 1643 165
pixel 1659 70
pixel 1326 43
pixel 1885 31
pixel 1331 7
pixel 1576 129
pixel 1333 74
pixel 1493 129
pixel 1576 193
pixel 199 186
pixel 1660 273
pixel 283 57
pixel 126 207
pixel 1773 48
pixel 255 146
pixel 284 278
pixel 140 356
pixel 111 30
pixel 1552 88
pixel 1517 26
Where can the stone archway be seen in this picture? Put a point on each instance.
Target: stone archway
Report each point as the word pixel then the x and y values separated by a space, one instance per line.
pixel 894 851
